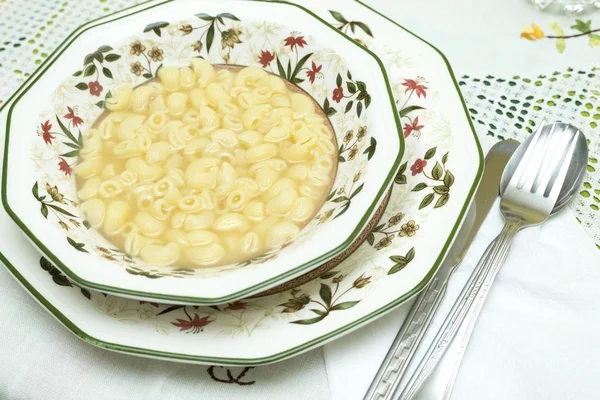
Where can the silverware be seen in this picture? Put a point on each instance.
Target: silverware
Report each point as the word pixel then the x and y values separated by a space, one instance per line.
pixel 530 188
pixel 447 372
pixel 426 303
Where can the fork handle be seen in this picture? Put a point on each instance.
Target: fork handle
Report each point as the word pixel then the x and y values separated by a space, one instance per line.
pixel 474 292
pixel 406 342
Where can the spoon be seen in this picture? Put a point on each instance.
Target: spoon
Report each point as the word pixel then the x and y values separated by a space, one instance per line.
pixel 440 385
pixel 530 188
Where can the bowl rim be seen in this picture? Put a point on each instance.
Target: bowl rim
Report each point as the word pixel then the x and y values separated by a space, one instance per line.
pixel 186 299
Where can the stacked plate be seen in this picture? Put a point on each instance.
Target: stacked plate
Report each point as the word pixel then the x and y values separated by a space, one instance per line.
pixel 405 165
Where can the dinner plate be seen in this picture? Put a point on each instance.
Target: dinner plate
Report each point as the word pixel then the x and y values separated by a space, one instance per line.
pixel 442 167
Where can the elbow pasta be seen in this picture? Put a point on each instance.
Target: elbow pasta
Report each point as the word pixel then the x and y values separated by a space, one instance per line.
pixel 204 167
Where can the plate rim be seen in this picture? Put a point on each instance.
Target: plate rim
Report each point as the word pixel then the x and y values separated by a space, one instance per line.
pixel 304 346
pixel 186 299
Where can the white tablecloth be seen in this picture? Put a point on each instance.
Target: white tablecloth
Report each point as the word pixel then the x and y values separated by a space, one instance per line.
pixel 536 338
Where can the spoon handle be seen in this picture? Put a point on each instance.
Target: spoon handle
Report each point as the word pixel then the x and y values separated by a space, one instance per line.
pixel 472 296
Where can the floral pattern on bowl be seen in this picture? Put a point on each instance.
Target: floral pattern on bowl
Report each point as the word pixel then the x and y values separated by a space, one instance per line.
pixel 361 111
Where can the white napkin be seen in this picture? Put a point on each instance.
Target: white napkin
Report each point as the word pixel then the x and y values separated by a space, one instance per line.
pixel 537 335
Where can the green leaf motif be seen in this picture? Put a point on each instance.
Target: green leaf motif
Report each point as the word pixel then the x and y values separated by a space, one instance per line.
pixel 403 168
pixel 367 100
pixel 309 321
pixel 282 71
pixel 289 68
pixel 78 73
pixel 397 268
pixel 210 36
pixel 338 16
pixel 398 259
pixel 100 104
pixel 82 86
pixel 348 106
pixel 430 153
pixel 339 199
pixel 77 246
pixel 344 306
pixel 581 26
pixel 594 40
pixel 437 171
pixel 442 200
pixel 426 201
pixel 441 189
pixel 359 108
pixel 104 49
pixel 370 151
pixel 560 43
pixel 44 211
pixel 338 80
pixel 73 153
pixel 228 16
pixel 361 86
pixel 89 70
pixel 357 191
pixel 445 158
pixel 88 59
pixel 35 191
pixel 61 280
pixel 364 27
pixel 419 187
pixel 98 56
pixel 147 75
pixel 155 27
pixel 86 293
pixel 400 179
pixel 351 87
pixel 112 57
pixel 448 179
pixel 61 210
pixel 86 224
pixel 407 110
pixel 325 293
pixel 300 64
pixel 205 17
pixel 371 238
pixel 410 255
pixel 66 131
pixel 107 73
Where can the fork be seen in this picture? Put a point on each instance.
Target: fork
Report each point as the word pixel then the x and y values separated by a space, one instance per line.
pixel 527 200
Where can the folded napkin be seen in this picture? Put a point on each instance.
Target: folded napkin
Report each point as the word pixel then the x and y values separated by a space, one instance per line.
pixel 536 337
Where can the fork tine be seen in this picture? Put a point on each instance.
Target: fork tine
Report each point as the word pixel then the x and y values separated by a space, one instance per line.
pixel 555 161
pixel 555 186
pixel 536 164
pixel 518 174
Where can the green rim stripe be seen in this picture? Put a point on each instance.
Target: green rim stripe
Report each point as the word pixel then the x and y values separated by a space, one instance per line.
pixel 317 341
pixel 241 293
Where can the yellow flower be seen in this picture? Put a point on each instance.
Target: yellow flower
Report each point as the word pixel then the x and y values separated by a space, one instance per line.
pixel 532 33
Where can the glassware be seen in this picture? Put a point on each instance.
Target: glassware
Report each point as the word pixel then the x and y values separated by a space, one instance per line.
pixel 570 6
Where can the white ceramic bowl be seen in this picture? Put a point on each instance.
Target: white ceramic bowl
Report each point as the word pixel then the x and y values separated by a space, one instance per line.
pixel 42 139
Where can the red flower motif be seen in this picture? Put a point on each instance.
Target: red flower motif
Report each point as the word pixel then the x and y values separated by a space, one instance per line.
pixel 95 88
pixel 46 135
pixel 147 302
pixel 265 58
pixel 194 326
pixel 338 94
pixel 408 128
pixel 411 84
pixel 295 41
pixel 418 166
pixel 64 166
pixel 71 115
pixel 236 305
pixel 311 73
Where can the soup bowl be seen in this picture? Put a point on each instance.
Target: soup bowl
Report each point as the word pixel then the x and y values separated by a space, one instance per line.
pixel 51 120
